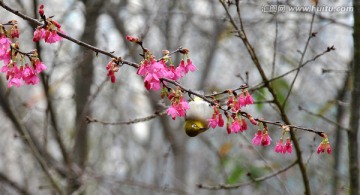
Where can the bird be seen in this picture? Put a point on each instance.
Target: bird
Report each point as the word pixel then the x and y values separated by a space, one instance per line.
pixel 196 119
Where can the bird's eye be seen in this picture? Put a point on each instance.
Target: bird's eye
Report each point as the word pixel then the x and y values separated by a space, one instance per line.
pixel 193 125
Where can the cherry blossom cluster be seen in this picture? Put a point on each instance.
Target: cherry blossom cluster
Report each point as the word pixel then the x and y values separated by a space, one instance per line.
pixel 49 30
pixel 236 102
pixel 112 67
pixel 154 70
pixel 216 119
pixel 10 54
pixel 324 145
pixel 178 104
pixel 235 121
pixel 262 136
pixel 286 148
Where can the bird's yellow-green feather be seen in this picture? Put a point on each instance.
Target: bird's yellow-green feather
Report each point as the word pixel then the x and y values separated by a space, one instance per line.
pixel 194 128
pixel 197 117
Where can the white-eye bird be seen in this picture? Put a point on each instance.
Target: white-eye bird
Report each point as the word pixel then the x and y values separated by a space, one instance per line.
pixel 196 120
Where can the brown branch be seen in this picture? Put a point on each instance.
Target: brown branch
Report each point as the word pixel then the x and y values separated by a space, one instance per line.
pixel 138 120
pixel 280 124
pixel 243 86
pixel 233 186
pixel 323 118
pixel 5 180
pixel 263 84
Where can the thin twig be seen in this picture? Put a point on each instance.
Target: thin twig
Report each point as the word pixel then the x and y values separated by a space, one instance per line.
pixel 233 186
pixel 138 120
pixel 275 43
pixel 323 118
pixel 310 35
pixel 280 124
pixel 263 84
pixel 5 180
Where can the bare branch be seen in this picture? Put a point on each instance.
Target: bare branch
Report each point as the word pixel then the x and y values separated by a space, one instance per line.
pixel 138 120
pixel 323 118
pixel 310 35
pixel 233 186
pixel 6 180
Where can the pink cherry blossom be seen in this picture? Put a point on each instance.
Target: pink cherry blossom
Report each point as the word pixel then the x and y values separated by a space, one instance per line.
pixel 248 98
pixel 230 101
pixel 324 145
pixel 112 67
pixel 39 66
pixel 132 39
pixel 243 125
pixel 216 119
pixel 213 122
pixel 48 33
pixel 235 126
pixel 51 36
pixel 257 138
pixel 27 71
pixel 184 106
pixel 16 72
pixel 152 72
pixel 173 73
pixel 172 111
pixel 5 68
pixel 14 81
pixel 5 49
pixel 39 34
pixel 241 102
pixel 266 139
pixel 220 120
pixel 329 150
pixel 228 128
pixel 178 108
pixel 288 146
pixel 14 31
pixel 4 42
pixel 279 146
pixel 143 68
pixel 6 57
pixel 32 79
pixel 152 81
pixel 190 66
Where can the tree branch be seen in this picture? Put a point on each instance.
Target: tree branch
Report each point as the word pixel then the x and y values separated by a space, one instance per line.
pixel 234 186
pixel 138 120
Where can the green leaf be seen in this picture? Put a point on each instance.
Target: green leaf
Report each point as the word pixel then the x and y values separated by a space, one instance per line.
pixel 260 96
pixel 281 88
pixel 235 175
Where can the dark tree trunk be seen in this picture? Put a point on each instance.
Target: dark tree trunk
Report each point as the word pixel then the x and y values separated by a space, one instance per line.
pixel 355 106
